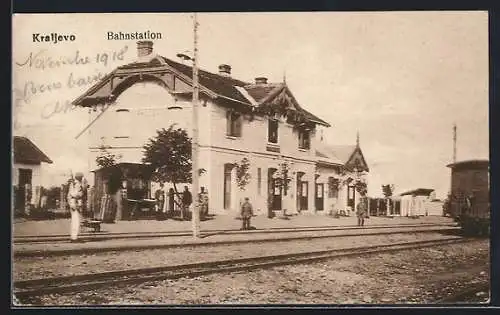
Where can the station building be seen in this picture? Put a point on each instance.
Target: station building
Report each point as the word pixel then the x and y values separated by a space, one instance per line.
pixel 291 167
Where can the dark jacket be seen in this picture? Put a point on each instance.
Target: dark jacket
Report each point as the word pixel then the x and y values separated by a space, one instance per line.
pixel 246 210
pixel 361 209
pixel 159 195
pixel 187 198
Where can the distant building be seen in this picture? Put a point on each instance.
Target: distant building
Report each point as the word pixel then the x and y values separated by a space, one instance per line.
pixel 261 121
pixel 27 167
pixel 470 179
pixel 417 202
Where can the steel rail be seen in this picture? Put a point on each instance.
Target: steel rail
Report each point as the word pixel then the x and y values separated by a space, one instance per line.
pixel 77 283
pixel 19 254
pixel 136 235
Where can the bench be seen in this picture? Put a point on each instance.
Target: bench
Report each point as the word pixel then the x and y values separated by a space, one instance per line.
pixel 93 224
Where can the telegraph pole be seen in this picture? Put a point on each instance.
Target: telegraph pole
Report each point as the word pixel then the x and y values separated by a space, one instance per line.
pixel 195 218
pixel 454 143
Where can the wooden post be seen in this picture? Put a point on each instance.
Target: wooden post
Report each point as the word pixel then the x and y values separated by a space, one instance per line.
pixel 36 197
pixel 27 199
pixel 62 200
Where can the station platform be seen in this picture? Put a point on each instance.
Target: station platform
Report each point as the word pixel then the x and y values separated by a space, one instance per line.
pixel 61 227
pixel 136 235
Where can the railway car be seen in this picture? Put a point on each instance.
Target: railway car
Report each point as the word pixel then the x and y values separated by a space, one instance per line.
pixel 469 202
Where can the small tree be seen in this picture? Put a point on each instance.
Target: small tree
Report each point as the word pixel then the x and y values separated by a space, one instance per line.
pixel 169 153
pixel 283 179
pixel 242 173
pixel 106 158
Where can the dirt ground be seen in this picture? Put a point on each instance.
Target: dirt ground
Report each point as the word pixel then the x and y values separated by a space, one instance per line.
pixel 422 276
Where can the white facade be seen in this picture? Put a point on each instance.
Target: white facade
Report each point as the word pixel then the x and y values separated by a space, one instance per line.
pixel 414 205
pixel 147 107
pixel 36 169
pixel 158 97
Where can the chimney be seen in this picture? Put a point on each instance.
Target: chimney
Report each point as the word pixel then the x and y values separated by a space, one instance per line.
pixel 144 48
pixel 261 80
pixel 225 70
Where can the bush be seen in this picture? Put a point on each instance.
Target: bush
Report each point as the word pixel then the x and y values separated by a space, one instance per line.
pixel 53 195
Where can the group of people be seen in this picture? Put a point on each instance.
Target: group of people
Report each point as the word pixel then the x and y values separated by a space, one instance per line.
pixel 77 188
pixel 186 201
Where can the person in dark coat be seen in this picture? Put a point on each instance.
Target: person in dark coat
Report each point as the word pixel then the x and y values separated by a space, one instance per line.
pixel 171 202
pixel 246 214
pixel 187 200
pixel 361 211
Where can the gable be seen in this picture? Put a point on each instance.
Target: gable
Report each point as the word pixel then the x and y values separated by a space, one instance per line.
pixel 120 79
pixel 357 160
pixel 177 78
pixel 27 152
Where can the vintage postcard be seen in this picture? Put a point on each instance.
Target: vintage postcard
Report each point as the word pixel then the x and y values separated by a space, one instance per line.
pixel 250 158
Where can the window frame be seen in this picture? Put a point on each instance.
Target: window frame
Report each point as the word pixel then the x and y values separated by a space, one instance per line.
pixel 301 134
pixel 269 122
pixel 233 127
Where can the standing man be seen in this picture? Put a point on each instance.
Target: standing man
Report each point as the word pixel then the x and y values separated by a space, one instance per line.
pixel 361 209
pixel 203 199
pixel 75 199
pixel 187 200
pixel 246 214
pixel 160 201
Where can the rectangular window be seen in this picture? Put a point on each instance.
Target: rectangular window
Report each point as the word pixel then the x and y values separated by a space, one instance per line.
pixel 304 139
pixel 259 181
pixel 332 187
pixel 272 131
pixel 234 122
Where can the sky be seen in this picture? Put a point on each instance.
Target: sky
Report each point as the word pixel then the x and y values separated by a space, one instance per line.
pixel 400 79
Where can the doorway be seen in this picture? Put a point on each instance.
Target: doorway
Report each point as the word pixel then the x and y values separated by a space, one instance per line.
pixel 227 186
pixel 320 197
pixel 351 195
pixel 24 177
pixel 274 189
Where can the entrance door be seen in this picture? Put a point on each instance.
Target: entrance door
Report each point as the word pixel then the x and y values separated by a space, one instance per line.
pixel 25 176
pixel 351 191
pixel 227 187
pixel 276 204
pixel 320 197
pixel 304 189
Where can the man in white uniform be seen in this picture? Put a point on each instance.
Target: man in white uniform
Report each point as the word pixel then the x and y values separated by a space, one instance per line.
pixel 75 199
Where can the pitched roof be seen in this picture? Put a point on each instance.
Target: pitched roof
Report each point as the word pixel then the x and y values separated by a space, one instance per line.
pixel 340 152
pixel 25 151
pixel 470 164
pixel 266 92
pixel 333 153
pixel 223 86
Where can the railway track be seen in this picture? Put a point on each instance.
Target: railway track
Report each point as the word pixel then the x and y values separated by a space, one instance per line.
pixel 97 236
pixel 189 242
pixel 77 283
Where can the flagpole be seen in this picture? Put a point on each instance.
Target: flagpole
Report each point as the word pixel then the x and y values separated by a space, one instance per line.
pixel 195 218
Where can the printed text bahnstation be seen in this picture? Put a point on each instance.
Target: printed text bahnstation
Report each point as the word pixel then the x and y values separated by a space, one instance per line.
pixel 147 35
